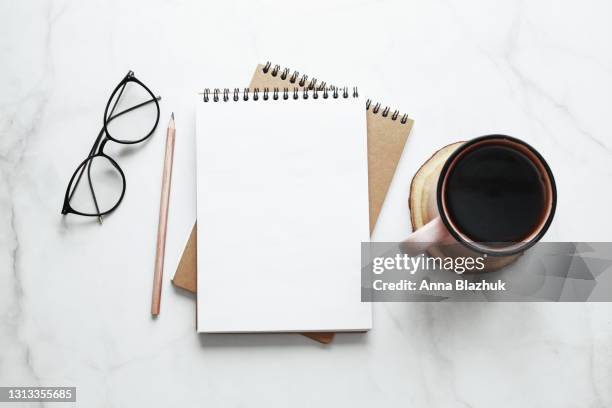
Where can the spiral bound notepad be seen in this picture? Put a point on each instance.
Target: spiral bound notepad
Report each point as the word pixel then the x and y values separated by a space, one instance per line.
pixel 282 190
pixel 386 139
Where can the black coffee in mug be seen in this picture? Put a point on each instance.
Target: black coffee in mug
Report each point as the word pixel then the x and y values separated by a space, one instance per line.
pixel 498 191
pixel 495 194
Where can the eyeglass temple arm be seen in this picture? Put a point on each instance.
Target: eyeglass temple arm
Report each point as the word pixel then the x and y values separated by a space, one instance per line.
pixel 140 105
pixel 91 153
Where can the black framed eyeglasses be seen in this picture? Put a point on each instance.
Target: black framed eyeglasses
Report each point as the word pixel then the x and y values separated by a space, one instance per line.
pixel 128 126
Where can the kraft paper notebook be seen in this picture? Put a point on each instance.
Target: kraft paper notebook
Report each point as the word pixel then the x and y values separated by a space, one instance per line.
pixel 387 134
pixel 282 205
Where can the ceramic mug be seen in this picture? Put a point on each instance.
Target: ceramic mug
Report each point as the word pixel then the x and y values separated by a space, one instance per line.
pixel 495 195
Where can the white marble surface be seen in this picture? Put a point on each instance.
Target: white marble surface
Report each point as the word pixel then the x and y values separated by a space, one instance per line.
pixel 74 296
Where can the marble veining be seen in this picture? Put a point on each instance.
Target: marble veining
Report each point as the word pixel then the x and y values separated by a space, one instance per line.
pixel 74 295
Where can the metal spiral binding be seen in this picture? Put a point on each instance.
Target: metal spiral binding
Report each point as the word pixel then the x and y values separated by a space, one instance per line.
pixel 310 87
pixel 294 77
pixel 227 95
pixel 385 112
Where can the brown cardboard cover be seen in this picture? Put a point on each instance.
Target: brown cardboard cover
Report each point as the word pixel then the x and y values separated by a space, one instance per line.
pixel 387 136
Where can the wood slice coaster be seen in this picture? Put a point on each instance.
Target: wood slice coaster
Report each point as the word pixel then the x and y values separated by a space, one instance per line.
pixel 423 201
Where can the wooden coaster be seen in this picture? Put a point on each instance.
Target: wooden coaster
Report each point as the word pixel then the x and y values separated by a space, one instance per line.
pixel 422 201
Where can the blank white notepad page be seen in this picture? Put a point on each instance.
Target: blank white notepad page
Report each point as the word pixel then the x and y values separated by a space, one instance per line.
pixel 282 209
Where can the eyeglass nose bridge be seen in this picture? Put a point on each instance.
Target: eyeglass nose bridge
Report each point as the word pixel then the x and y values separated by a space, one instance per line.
pixel 102 144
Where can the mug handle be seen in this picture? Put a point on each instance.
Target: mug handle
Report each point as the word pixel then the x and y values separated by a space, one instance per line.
pixel 434 232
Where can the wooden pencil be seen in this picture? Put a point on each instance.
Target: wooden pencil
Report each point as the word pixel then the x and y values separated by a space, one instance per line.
pixel 163 219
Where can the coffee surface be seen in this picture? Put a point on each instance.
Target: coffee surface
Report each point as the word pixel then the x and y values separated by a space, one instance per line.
pixel 495 194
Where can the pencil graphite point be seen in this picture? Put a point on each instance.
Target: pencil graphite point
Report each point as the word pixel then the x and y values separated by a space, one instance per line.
pixel 171 123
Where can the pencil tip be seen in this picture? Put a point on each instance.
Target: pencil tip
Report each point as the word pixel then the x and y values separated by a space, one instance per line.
pixel 172 115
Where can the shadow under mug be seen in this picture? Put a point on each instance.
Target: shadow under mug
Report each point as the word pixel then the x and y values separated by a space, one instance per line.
pixel 447 229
